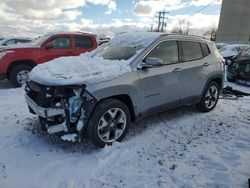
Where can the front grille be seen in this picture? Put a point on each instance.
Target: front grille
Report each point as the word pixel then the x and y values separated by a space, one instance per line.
pixel 40 94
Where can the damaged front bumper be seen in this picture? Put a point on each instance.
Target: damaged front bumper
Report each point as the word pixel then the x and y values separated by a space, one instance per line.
pixel 43 112
pixel 66 108
pixel 47 113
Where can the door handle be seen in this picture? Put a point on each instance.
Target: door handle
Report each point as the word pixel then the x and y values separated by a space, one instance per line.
pixel 177 70
pixel 206 64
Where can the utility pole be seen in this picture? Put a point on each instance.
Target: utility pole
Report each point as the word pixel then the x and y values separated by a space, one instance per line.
pixel 161 20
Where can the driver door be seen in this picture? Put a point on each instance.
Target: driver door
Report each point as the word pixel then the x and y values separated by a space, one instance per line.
pixel 62 47
pixel 159 85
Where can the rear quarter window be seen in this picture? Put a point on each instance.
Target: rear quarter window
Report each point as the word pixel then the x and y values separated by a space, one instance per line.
pixel 205 49
pixel 191 50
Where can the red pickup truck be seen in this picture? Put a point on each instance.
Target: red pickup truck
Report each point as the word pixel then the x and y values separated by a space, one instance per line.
pixel 17 62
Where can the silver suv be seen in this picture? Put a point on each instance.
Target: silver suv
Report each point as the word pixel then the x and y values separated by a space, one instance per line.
pixel 130 77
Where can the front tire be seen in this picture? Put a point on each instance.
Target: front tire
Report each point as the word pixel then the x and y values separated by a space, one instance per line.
pixel 19 75
pixel 209 98
pixel 109 122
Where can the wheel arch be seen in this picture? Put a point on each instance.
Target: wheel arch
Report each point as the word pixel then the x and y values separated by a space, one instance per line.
pixel 20 62
pixel 219 79
pixel 126 99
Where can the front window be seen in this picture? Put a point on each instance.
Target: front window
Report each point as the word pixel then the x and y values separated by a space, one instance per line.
pixel 167 51
pixel 61 42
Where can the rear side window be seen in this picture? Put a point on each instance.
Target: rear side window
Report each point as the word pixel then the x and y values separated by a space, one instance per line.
pixel 84 42
pixel 191 50
pixel 205 49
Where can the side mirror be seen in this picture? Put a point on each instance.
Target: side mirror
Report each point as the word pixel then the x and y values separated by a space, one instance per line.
pixel 152 62
pixel 49 45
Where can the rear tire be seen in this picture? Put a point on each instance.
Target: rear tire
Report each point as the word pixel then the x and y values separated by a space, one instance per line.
pixel 109 122
pixel 19 75
pixel 209 98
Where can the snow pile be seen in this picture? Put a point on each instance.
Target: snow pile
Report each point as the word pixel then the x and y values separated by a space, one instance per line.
pixel 179 148
pixel 82 69
pixel 69 137
pixel 90 68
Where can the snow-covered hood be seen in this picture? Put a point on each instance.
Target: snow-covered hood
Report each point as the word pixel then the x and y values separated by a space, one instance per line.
pixel 228 53
pixel 82 69
pixel 230 50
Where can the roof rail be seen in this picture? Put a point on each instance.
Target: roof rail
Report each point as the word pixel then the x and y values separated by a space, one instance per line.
pixel 179 34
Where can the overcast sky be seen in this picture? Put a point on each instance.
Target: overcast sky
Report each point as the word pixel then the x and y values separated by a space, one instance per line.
pixel 30 18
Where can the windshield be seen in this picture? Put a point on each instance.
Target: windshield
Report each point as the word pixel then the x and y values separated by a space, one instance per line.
pixel 39 41
pixel 116 51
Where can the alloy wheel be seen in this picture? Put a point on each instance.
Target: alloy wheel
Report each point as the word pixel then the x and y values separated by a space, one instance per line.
pixel 211 97
pixel 112 125
pixel 22 76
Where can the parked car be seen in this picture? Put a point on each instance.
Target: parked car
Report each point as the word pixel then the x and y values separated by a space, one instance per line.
pixel 220 45
pixel 17 62
pixel 102 39
pixel 13 41
pixel 229 51
pixel 238 68
pixel 130 77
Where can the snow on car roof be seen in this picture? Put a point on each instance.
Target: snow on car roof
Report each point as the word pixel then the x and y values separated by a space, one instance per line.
pixel 138 38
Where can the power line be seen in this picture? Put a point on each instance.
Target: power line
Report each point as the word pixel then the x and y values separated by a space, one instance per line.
pixel 198 11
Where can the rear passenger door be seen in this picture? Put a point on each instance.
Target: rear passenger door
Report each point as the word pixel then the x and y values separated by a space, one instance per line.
pixel 83 44
pixel 195 67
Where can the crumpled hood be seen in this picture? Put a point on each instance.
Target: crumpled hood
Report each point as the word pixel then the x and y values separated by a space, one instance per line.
pixel 82 69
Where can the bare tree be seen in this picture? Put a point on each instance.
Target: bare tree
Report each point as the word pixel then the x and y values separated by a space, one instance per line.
pixel 182 27
pixel 211 32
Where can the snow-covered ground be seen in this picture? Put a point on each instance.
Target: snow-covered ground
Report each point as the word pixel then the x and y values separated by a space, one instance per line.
pixel 179 148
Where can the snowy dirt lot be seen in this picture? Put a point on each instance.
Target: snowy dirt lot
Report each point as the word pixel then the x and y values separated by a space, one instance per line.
pixel 178 148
